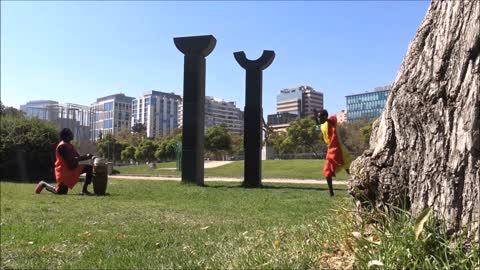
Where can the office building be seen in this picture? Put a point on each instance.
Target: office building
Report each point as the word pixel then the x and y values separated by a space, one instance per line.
pixel 299 100
pixel 158 111
pixel 293 103
pixel 112 114
pixel 367 105
pixel 341 116
pixel 280 121
pixel 219 111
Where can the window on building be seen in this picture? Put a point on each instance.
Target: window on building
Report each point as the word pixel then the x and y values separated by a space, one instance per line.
pixel 108 106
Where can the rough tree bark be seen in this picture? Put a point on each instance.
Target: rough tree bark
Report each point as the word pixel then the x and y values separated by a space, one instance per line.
pixel 425 148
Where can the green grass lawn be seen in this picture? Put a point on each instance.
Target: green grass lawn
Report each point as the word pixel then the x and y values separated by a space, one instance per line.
pixel 297 168
pixel 143 169
pixel 157 224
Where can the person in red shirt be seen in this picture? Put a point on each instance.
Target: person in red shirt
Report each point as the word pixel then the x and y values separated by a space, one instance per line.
pixel 67 169
pixel 337 157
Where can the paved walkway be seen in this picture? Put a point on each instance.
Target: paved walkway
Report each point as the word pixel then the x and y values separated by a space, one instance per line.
pixel 207 165
pixel 214 163
pixel 231 179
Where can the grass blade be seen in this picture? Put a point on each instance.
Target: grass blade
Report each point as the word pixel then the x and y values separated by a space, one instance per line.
pixel 420 221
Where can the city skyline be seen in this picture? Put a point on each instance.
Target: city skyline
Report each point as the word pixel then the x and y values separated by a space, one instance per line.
pixel 76 52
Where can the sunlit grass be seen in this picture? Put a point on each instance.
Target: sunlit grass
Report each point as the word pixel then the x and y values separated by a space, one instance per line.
pixel 295 169
pixel 151 225
pixel 386 240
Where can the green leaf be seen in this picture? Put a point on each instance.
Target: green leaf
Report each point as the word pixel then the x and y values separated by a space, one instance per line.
pixel 420 221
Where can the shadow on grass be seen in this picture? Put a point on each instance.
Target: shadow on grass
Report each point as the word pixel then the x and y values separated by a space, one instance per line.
pixel 95 195
pixel 275 187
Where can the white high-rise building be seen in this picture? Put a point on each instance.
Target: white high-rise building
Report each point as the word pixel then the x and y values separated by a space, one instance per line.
pixel 158 111
pixel 112 114
pixel 219 111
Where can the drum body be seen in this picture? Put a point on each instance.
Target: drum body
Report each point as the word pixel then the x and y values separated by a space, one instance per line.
pixel 100 176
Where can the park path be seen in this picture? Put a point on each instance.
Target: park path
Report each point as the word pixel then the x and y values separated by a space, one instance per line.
pixel 230 179
pixel 215 163
pixel 207 165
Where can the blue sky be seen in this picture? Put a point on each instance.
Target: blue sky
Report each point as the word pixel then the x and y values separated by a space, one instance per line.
pixel 77 51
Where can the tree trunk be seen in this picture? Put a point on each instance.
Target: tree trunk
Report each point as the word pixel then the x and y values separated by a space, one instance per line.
pixel 425 148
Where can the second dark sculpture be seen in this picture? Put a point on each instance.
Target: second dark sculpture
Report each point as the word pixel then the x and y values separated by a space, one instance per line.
pixel 252 130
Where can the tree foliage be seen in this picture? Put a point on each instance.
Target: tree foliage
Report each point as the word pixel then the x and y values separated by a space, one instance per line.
pixel 303 134
pixel 139 128
pixel 237 144
pixel 128 153
pixel 146 151
pixel 10 111
pixel 127 137
pixel 281 143
pixel 166 146
pixel 355 135
pixel 218 140
pixel 108 147
pixel 27 148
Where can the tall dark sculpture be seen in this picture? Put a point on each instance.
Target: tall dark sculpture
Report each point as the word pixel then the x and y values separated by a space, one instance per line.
pixel 252 139
pixel 195 49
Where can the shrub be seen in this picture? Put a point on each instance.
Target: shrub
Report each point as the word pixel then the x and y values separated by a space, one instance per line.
pixel 27 149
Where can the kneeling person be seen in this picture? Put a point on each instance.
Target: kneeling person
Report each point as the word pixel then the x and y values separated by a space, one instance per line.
pixel 67 169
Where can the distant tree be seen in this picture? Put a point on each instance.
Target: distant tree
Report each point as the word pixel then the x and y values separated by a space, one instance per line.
pixel 303 133
pixel 176 132
pixel 237 144
pixel 166 149
pixel 10 111
pixel 146 151
pixel 128 153
pixel 268 132
pixel 85 146
pixel 127 137
pixel 281 144
pixel 355 135
pixel 139 128
pixel 218 140
pixel 166 145
pixel 366 132
pixel 109 148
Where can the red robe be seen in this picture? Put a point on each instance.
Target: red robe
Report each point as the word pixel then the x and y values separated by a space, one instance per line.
pixel 63 174
pixel 334 160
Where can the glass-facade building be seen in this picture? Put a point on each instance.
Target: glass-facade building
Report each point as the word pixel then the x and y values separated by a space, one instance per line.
pixel 366 105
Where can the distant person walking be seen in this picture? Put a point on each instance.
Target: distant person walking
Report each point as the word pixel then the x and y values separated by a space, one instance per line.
pixel 337 157
pixel 67 169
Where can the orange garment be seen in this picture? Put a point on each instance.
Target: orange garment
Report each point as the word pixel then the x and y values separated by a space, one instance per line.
pixel 63 174
pixel 337 157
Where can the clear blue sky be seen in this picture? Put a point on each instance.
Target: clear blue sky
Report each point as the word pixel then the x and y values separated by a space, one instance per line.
pixel 78 51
